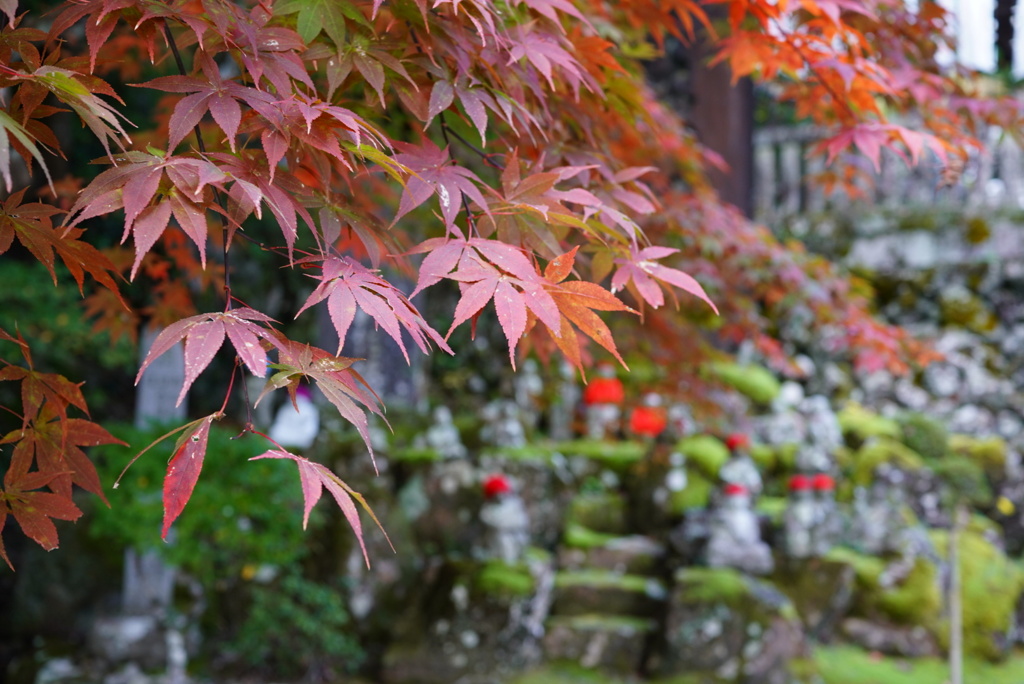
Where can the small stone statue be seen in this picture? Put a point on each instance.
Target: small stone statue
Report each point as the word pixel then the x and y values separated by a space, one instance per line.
pixel 296 425
pixel 603 398
pixel 650 419
pixel 529 389
pixel 824 435
pixel 736 535
pixel 878 517
pixel 507 522
pixel 443 437
pixel 740 468
pixel 800 519
pixel 828 525
pixel 563 407
pixel 504 427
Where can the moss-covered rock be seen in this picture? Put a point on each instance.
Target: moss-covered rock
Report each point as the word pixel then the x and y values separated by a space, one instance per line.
pixel 850 665
pixel 914 600
pixel 603 512
pixel 977 230
pixel 992 584
pixel 966 479
pixel 821 591
pixel 585 592
pixel 632 555
pixel 756 382
pixel 877 451
pixel 704 453
pixel 696 493
pixel 988 452
pixel 925 435
pixel 611 643
pixel 961 308
pixel 616 455
pixel 504 579
pixel 859 424
pixel 724 626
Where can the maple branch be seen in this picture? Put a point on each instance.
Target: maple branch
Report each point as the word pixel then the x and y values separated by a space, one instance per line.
pixel 470 224
pixel 184 72
pixel 486 156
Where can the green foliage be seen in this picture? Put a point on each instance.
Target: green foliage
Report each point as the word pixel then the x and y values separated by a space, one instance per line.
pixel 241 513
pixel 881 450
pixel 295 624
pixel 756 382
pixel 61 336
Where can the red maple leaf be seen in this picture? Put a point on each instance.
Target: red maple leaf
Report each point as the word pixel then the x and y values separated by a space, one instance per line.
pixel 346 284
pixel 315 478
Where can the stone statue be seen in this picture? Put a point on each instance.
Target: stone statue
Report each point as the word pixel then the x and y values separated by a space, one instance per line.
pixel 506 520
pixel 828 524
pixel 503 424
pixel 736 535
pixel 800 518
pixel 740 468
pixel 443 437
pixel 529 390
pixel 603 399
pixel 824 435
pixel 563 408
pixel 296 425
pixel 878 512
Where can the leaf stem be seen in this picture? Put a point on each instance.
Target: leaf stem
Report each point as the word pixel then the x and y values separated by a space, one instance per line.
pixel 184 72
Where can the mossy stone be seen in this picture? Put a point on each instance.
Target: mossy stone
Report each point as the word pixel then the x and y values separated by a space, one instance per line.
pixel 925 435
pixel 504 579
pixel 977 230
pixel 705 453
pixel 859 424
pixel 961 308
pixel 916 600
pixel 990 452
pixel 603 512
pixel 966 478
pixel 774 507
pixel 725 585
pixel 991 586
pixel 881 450
pixel 616 455
pixel 696 493
pixel 756 382
pixel 765 457
pixel 579 537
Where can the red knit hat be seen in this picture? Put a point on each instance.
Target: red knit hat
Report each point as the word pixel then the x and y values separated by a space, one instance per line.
pixel 495 485
pixel 737 440
pixel 604 391
pixel 732 489
pixel 799 483
pixel 823 483
pixel 648 421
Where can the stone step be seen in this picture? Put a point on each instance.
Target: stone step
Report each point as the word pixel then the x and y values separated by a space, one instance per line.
pixel 584 592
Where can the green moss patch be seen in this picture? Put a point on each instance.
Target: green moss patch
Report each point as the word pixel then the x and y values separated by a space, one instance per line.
pixel 603 512
pixel 579 537
pixel 879 450
pixel 992 583
pixel 858 424
pixel 695 494
pixel 851 665
pixel 724 585
pixel 615 455
pixel 502 579
pixel 756 382
pixel 603 579
pixel 990 453
pixel 705 453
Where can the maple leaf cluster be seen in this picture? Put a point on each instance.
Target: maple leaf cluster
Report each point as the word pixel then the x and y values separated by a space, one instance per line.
pixel 353 125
